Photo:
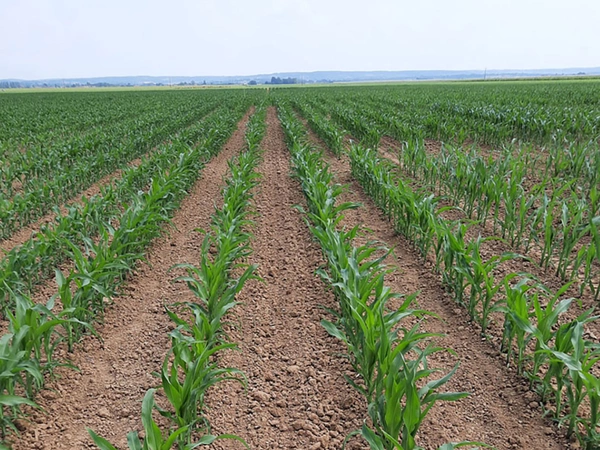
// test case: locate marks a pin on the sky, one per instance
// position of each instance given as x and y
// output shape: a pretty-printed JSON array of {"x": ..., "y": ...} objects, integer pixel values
[{"x": 89, "y": 38}]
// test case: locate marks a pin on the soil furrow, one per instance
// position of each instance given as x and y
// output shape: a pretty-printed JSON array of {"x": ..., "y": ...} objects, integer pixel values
[
  {"x": 106, "y": 393},
  {"x": 297, "y": 397},
  {"x": 500, "y": 411}
]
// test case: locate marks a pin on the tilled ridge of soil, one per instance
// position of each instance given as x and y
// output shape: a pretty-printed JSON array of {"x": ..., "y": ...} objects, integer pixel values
[
  {"x": 106, "y": 394},
  {"x": 500, "y": 410},
  {"x": 297, "y": 396}
]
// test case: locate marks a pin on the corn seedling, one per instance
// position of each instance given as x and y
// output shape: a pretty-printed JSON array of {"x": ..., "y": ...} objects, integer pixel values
[{"x": 154, "y": 437}]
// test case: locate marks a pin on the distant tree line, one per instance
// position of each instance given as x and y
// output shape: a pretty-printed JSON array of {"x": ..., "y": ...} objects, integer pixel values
[{"x": 277, "y": 80}]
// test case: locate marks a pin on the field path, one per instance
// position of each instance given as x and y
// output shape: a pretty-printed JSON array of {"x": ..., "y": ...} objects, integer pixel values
[
  {"x": 106, "y": 393},
  {"x": 500, "y": 410},
  {"x": 297, "y": 397}
]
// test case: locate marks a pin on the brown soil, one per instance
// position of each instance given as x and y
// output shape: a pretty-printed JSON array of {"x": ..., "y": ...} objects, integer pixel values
[
  {"x": 390, "y": 148},
  {"x": 434, "y": 147},
  {"x": 105, "y": 394},
  {"x": 483, "y": 149},
  {"x": 17, "y": 186},
  {"x": 297, "y": 397},
  {"x": 500, "y": 411}
]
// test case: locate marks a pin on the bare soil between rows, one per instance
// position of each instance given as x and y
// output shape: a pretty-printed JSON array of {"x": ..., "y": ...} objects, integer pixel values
[{"x": 297, "y": 396}]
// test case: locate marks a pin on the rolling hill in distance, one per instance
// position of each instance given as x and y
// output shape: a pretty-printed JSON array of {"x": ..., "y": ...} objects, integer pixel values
[{"x": 300, "y": 77}]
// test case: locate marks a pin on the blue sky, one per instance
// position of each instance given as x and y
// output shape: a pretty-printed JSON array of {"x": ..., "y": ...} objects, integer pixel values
[{"x": 87, "y": 38}]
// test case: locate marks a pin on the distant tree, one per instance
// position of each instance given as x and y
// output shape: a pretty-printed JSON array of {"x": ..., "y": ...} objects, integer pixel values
[{"x": 252, "y": 83}]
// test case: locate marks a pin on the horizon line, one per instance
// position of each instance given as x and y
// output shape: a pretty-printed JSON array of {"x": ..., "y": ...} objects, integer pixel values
[{"x": 484, "y": 70}]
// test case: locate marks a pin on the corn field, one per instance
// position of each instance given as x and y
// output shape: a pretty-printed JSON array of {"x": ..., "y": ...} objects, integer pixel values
[{"x": 384, "y": 267}]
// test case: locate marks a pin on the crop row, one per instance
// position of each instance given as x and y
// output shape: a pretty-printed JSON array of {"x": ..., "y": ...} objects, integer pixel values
[
  {"x": 490, "y": 113},
  {"x": 561, "y": 358},
  {"x": 557, "y": 217},
  {"x": 60, "y": 172},
  {"x": 36, "y": 330},
  {"x": 34, "y": 261},
  {"x": 390, "y": 358},
  {"x": 375, "y": 112},
  {"x": 554, "y": 355},
  {"x": 553, "y": 219},
  {"x": 369, "y": 121},
  {"x": 191, "y": 368},
  {"x": 32, "y": 160},
  {"x": 32, "y": 120}
]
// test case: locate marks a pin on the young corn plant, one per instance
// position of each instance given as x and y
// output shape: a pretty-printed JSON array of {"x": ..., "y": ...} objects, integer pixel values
[
  {"x": 41, "y": 326},
  {"x": 589, "y": 257},
  {"x": 100, "y": 267},
  {"x": 452, "y": 258},
  {"x": 364, "y": 324},
  {"x": 573, "y": 228},
  {"x": 190, "y": 369},
  {"x": 544, "y": 216},
  {"x": 400, "y": 406},
  {"x": 516, "y": 311},
  {"x": 191, "y": 362},
  {"x": 571, "y": 366},
  {"x": 211, "y": 284},
  {"x": 556, "y": 379},
  {"x": 546, "y": 324},
  {"x": 18, "y": 369},
  {"x": 155, "y": 438},
  {"x": 479, "y": 275}
]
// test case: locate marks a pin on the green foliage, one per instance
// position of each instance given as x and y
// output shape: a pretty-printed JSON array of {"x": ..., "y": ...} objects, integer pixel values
[
  {"x": 389, "y": 359},
  {"x": 190, "y": 368},
  {"x": 102, "y": 254},
  {"x": 555, "y": 215}
]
